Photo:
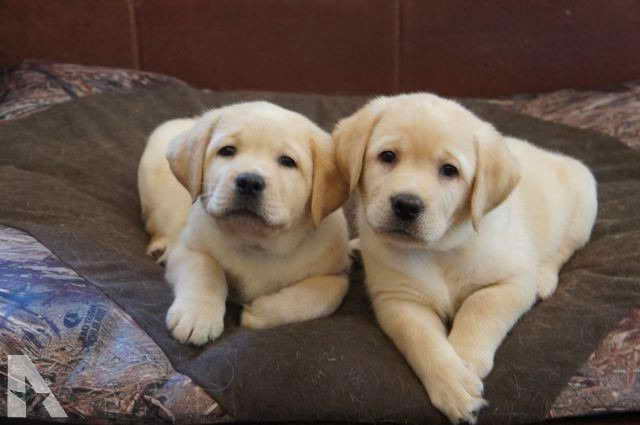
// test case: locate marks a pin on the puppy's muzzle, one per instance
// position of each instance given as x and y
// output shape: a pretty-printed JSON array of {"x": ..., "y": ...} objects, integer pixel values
[
  {"x": 250, "y": 184},
  {"x": 406, "y": 207}
]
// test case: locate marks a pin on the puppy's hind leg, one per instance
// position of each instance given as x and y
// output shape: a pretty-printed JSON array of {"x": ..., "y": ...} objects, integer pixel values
[
  {"x": 578, "y": 229},
  {"x": 164, "y": 225},
  {"x": 157, "y": 248},
  {"x": 577, "y": 235},
  {"x": 311, "y": 298},
  {"x": 165, "y": 203}
]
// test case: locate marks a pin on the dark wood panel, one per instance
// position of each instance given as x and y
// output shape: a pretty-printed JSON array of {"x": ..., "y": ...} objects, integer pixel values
[
  {"x": 502, "y": 47},
  {"x": 92, "y": 32},
  {"x": 454, "y": 47},
  {"x": 290, "y": 45}
]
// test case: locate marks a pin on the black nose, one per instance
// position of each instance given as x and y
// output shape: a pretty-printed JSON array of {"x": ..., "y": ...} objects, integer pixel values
[
  {"x": 250, "y": 184},
  {"x": 406, "y": 206}
]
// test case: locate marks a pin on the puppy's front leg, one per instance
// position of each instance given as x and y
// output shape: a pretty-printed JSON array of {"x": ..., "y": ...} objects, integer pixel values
[
  {"x": 484, "y": 319},
  {"x": 197, "y": 313},
  {"x": 312, "y": 298},
  {"x": 420, "y": 335}
]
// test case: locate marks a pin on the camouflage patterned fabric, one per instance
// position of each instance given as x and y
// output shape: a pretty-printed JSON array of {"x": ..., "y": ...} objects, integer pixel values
[
  {"x": 34, "y": 86},
  {"x": 101, "y": 365},
  {"x": 615, "y": 112},
  {"x": 98, "y": 362}
]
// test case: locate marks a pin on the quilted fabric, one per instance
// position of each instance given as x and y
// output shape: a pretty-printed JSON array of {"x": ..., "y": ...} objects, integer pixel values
[{"x": 34, "y": 86}]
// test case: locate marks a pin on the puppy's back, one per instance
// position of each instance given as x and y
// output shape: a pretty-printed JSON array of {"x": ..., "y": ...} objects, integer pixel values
[
  {"x": 165, "y": 202},
  {"x": 559, "y": 197}
]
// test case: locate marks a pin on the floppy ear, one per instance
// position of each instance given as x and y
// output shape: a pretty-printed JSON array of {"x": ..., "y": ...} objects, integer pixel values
[
  {"x": 497, "y": 173},
  {"x": 351, "y": 137},
  {"x": 186, "y": 153},
  {"x": 329, "y": 189}
]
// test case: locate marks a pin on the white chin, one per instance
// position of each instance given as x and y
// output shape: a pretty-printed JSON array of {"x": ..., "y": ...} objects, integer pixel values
[
  {"x": 402, "y": 239},
  {"x": 246, "y": 225}
]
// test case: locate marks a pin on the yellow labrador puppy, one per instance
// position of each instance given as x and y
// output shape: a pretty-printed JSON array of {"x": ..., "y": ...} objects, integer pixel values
[
  {"x": 458, "y": 225},
  {"x": 264, "y": 226}
]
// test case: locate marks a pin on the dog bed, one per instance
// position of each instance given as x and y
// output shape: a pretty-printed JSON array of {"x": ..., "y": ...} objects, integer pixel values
[{"x": 69, "y": 180}]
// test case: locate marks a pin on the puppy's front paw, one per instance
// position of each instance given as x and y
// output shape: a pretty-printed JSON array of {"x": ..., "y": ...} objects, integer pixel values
[
  {"x": 194, "y": 321},
  {"x": 476, "y": 357},
  {"x": 457, "y": 392},
  {"x": 478, "y": 360},
  {"x": 480, "y": 363}
]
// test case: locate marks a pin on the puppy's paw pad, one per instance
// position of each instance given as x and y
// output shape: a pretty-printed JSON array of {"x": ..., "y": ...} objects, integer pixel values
[
  {"x": 157, "y": 248},
  {"x": 194, "y": 322},
  {"x": 162, "y": 259}
]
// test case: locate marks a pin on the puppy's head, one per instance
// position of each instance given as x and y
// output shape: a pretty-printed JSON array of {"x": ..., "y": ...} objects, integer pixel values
[
  {"x": 258, "y": 168},
  {"x": 423, "y": 166}
]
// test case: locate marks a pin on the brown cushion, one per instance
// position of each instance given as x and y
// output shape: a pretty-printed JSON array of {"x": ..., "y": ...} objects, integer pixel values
[{"x": 69, "y": 179}]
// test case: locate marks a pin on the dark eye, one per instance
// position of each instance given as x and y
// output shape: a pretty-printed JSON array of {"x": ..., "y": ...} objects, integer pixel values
[
  {"x": 227, "y": 151},
  {"x": 387, "y": 156},
  {"x": 287, "y": 161},
  {"x": 449, "y": 170}
]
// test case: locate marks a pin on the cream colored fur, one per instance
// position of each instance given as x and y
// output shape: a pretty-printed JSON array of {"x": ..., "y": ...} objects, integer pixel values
[
  {"x": 286, "y": 261},
  {"x": 489, "y": 240}
]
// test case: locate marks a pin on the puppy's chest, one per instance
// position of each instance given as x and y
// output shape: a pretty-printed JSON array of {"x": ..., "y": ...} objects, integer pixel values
[
  {"x": 463, "y": 275},
  {"x": 244, "y": 289},
  {"x": 447, "y": 282},
  {"x": 251, "y": 275}
]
